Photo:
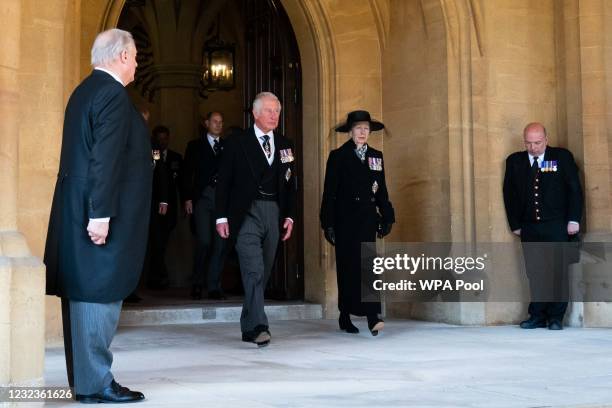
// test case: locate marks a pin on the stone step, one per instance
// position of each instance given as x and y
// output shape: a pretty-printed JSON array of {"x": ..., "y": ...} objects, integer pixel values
[{"x": 212, "y": 313}]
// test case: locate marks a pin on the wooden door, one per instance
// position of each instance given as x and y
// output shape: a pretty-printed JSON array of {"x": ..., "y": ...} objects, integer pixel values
[{"x": 272, "y": 63}]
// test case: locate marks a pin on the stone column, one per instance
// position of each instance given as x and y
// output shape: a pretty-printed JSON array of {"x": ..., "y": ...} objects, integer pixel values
[
  {"x": 9, "y": 130},
  {"x": 21, "y": 274},
  {"x": 9, "y": 111},
  {"x": 593, "y": 22}
]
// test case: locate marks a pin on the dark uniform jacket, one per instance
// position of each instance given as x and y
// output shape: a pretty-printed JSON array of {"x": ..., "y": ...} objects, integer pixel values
[
  {"x": 350, "y": 187},
  {"x": 105, "y": 171},
  {"x": 200, "y": 168},
  {"x": 242, "y": 169},
  {"x": 560, "y": 191}
]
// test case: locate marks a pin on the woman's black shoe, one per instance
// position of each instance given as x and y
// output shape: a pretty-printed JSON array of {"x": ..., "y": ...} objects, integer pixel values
[
  {"x": 346, "y": 324},
  {"x": 375, "y": 325}
]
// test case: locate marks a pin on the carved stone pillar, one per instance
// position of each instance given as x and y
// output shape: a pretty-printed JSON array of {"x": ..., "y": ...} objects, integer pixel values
[{"x": 24, "y": 28}]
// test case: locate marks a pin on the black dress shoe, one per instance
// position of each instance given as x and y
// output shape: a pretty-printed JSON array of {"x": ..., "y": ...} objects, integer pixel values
[
  {"x": 375, "y": 325},
  {"x": 345, "y": 324},
  {"x": 114, "y": 393},
  {"x": 533, "y": 323},
  {"x": 555, "y": 325},
  {"x": 196, "y": 292},
  {"x": 260, "y": 336},
  {"x": 216, "y": 295}
]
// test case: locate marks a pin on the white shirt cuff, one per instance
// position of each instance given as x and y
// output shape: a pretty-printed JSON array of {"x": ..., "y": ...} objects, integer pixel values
[
  {"x": 105, "y": 219},
  {"x": 221, "y": 220},
  {"x": 290, "y": 219},
  {"x": 574, "y": 222}
]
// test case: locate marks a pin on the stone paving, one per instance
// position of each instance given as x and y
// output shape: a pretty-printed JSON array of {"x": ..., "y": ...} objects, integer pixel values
[{"x": 310, "y": 363}]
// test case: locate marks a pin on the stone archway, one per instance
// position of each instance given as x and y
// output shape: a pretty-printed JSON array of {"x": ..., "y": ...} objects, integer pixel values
[
  {"x": 324, "y": 35},
  {"x": 341, "y": 45}
]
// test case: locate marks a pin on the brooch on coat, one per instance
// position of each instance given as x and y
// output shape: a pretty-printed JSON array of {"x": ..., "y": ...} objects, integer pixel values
[
  {"x": 288, "y": 175},
  {"x": 548, "y": 166},
  {"x": 286, "y": 156},
  {"x": 374, "y": 187},
  {"x": 375, "y": 163}
]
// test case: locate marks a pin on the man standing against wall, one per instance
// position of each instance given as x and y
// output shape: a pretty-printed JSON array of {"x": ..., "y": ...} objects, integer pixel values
[
  {"x": 543, "y": 200},
  {"x": 99, "y": 217},
  {"x": 255, "y": 197}
]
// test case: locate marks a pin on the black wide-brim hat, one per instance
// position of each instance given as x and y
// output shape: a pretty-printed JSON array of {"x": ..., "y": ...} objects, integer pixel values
[{"x": 359, "y": 116}]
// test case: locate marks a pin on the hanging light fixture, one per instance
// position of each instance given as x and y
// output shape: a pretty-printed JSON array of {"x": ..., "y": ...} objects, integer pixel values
[{"x": 218, "y": 63}]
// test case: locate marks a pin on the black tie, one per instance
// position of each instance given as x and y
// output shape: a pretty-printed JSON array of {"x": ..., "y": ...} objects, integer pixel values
[
  {"x": 216, "y": 146},
  {"x": 266, "y": 145},
  {"x": 534, "y": 165}
]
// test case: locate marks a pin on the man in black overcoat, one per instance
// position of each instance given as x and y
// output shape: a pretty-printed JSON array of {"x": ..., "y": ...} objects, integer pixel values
[
  {"x": 99, "y": 217},
  {"x": 543, "y": 200},
  {"x": 255, "y": 198},
  {"x": 201, "y": 169},
  {"x": 166, "y": 179}
]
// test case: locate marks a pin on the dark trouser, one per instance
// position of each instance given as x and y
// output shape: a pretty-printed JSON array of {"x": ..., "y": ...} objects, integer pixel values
[
  {"x": 89, "y": 329},
  {"x": 546, "y": 266},
  {"x": 354, "y": 276},
  {"x": 208, "y": 242},
  {"x": 256, "y": 245},
  {"x": 159, "y": 232}
]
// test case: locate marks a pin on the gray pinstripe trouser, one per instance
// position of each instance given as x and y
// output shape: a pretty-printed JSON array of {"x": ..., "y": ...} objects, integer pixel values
[
  {"x": 93, "y": 326},
  {"x": 256, "y": 245}
]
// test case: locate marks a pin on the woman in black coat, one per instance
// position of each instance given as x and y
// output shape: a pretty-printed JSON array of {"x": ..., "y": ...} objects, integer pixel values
[{"x": 355, "y": 209}]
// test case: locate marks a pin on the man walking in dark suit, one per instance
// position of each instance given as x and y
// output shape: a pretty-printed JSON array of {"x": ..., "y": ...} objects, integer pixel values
[
  {"x": 164, "y": 215},
  {"x": 543, "y": 200},
  {"x": 99, "y": 217},
  {"x": 255, "y": 196},
  {"x": 201, "y": 169}
]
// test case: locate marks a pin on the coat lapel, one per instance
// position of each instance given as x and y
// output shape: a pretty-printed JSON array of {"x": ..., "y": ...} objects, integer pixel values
[
  {"x": 278, "y": 146},
  {"x": 205, "y": 147},
  {"x": 254, "y": 154}
]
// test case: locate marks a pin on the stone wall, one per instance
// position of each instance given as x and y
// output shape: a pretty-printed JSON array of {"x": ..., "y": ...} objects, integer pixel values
[
  {"x": 455, "y": 81},
  {"x": 415, "y": 111}
]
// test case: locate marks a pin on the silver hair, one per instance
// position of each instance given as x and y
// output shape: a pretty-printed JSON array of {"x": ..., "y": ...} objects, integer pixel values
[
  {"x": 259, "y": 100},
  {"x": 109, "y": 45}
]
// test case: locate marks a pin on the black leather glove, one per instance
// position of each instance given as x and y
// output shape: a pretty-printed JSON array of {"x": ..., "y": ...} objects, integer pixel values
[
  {"x": 384, "y": 229},
  {"x": 330, "y": 235}
]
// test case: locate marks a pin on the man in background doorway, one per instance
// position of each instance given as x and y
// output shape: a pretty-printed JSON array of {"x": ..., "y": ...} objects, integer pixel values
[
  {"x": 201, "y": 167},
  {"x": 164, "y": 216}
]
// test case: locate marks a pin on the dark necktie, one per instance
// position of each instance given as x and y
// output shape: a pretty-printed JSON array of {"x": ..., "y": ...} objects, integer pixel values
[
  {"x": 534, "y": 165},
  {"x": 266, "y": 145},
  {"x": 216, "y": 147}
]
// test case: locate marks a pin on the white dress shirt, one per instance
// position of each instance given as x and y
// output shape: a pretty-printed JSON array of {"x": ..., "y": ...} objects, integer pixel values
[
  {"x": 211, "y": 140},
  {"x": 540, "y": 158}
]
